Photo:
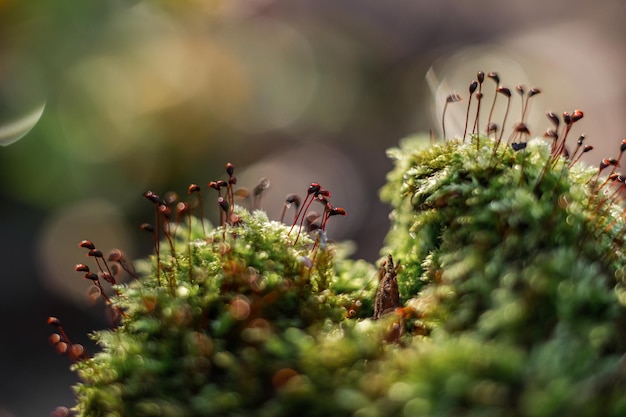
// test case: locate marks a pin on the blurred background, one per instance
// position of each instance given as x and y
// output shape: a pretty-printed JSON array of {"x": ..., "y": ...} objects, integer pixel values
[{"x": 103, "y": 100}]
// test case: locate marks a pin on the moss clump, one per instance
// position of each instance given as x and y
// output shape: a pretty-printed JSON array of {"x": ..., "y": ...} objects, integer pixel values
[
  {"x": 512, "y": 287},
  {"x": 522, "y": 252},
  {"x": 225, "y": 326}
]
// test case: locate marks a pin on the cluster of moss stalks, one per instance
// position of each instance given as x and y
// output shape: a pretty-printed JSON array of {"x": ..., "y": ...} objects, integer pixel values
[{"x": 512, "y": 289}]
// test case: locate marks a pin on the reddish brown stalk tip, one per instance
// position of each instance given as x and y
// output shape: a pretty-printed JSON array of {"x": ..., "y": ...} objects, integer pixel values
[
  {"x": 521, "y": 128},
  {"x": 473, "y": 86},
  {"x": 53, "y": 321},
  {"x": 223, "y": 204},
  {"x": 86, "y": 244},
  {"x": 152, "y": 197},
  {"x": 95, "y": 253},
  {"x": 567, "y": 118},
  {"x": 551, "y": 133},
  {"x": 504, "y": 91},
  {"x": 577, "y": 115},
  {"x": 230, "y": 169},
  {"x": 554, "y": 119}
]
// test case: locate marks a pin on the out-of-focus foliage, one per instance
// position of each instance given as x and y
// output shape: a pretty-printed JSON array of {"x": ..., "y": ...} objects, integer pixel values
[{"x": 138, "y": 92}]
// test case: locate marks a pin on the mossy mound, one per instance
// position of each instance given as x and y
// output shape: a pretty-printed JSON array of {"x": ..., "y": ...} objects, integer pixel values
[
  {"x": 521, "y": 250},
  {"x": 226, "y": 325},
  {"x": 513, "y": 305}
]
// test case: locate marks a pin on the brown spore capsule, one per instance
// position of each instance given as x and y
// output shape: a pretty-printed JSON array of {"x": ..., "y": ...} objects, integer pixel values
[
  {"x": 193, "y": 188},
  {"x": 473, "y": 86},
  {"x": 554, "y": 119},
  {"x": 577, "y": 115},
  {"x": 95, "y": 253},
  {"x": 504, "y": 91},
  {"x": 53, "y": 321},
  {"x": 230, "y": 169},
  {"x": 86, "y": 244}
]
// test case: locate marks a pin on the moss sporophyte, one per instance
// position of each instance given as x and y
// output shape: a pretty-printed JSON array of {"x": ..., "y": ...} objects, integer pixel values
[{"x": 509, "y": 300}]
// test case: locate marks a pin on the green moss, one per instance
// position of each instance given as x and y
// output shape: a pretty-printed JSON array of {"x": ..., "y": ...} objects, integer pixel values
[
  {"x": 498, "y": 248},
  {"x": 512, "y": 283},
  {"x": 211, "y": 339}
]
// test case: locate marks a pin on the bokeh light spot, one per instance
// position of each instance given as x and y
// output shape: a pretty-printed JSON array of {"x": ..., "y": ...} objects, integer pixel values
[{"x": 96, "y": 220}]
